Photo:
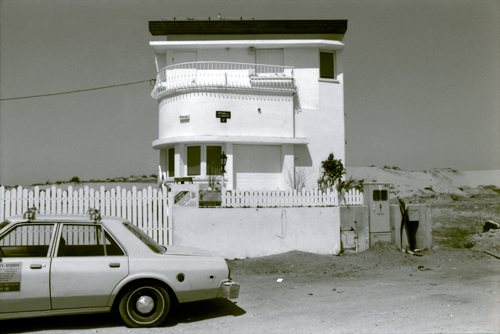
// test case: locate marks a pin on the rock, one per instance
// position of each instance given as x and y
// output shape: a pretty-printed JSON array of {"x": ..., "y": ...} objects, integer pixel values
[{"x": 490, "y": 225}]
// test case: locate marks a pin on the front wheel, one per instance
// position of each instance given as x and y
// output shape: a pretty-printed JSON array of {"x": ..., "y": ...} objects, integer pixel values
[{"x": 145, "y": 306}]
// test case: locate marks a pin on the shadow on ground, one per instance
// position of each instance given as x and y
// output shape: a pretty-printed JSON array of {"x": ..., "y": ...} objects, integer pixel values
[{"x": 181, "y": 313}]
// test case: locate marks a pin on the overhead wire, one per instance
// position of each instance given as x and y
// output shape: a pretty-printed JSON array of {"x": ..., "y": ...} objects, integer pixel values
[{"x": 151, "y": 82}]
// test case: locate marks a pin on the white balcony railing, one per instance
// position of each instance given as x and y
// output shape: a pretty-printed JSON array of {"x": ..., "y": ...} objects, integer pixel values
[{"x": 200, "y": 76}]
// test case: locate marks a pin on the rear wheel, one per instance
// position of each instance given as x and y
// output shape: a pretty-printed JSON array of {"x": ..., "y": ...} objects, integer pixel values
[{"x": 145, "y": 305}]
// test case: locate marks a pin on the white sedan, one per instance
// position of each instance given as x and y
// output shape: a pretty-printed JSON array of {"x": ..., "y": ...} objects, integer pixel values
[{"x": 67, "y": 264}]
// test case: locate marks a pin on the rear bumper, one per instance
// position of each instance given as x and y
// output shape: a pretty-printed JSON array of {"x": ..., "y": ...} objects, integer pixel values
[{"x": 229, "y": 289}]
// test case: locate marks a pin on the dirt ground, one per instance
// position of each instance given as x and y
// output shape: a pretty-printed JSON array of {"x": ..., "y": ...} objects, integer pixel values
[{"x": 452, "y": 288}]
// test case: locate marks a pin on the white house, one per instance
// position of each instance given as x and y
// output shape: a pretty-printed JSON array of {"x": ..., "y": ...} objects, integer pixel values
[{"x": 267, "y": 93}]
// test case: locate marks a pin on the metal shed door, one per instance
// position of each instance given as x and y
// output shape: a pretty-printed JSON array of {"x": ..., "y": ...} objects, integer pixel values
[{"x": 257, "y": 167}]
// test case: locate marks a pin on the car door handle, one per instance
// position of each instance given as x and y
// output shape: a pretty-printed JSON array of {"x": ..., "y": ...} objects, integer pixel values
[
  {"x": 36, "y": 266},
  {"x": 114, "y": 265}
]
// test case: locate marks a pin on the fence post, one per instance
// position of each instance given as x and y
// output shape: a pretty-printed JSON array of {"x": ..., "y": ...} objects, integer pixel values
[
  {"x": 2, "y": 202},
  {"x": 170, "y": 220}
]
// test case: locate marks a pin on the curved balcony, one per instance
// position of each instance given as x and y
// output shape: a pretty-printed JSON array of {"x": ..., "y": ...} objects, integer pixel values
[{"x": 214, "y": 76}]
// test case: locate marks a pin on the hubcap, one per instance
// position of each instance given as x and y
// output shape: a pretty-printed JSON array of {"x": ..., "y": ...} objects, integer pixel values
[{"x": 145, "y": 304}]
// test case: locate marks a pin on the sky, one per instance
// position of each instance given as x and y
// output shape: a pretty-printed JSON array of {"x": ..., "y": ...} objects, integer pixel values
[{"x": 422, "y": 82}]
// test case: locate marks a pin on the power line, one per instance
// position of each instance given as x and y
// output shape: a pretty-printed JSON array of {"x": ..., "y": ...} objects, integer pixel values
[{"x": 151, "y": 81}]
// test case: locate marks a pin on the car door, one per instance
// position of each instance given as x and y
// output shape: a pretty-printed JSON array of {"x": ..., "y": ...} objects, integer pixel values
[
  {"x": 25, "y": 267},
  {"x": 87, "y": 266}
]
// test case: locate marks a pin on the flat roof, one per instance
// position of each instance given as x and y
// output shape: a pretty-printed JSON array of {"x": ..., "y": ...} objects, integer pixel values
[{"x": 245, "y": 27}]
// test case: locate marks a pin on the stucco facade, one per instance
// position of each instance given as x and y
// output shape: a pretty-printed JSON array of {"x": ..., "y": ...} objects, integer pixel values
[{"x": 269, "y": 94}]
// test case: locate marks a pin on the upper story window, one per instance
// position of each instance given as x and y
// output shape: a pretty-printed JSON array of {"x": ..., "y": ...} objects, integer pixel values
[
  {"x": 327, "y": 65},
  {"x": 271, "y": 57}
]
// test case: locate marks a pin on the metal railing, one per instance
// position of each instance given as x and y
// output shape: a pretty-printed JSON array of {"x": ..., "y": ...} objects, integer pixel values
[{"x": 211, "y": 75}]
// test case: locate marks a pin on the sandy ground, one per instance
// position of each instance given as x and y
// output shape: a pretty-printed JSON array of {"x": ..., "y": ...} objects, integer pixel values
[{"x": 435, "y": 181}]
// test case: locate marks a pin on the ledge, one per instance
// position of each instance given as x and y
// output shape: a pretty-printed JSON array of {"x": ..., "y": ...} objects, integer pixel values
[
  {"x": 162, "y": 46},
  {"x": 328, "y": 80},
  {"x": 256, "y": 140}
]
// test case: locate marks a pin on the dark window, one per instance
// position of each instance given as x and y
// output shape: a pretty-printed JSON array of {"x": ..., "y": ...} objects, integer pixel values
[
  {"x": 86, "y": 240},
  {"x": 146, "y": 239},
  {"x": 380, "y": 195},
  {"x": 213, "y": 160},
  {"x": 326, "y": 65},
  {"x": 383, "y": 195},
  {"x": 193, "y": 160},
  {"x": 30, "y": 240},
  {"x": 171, "y": 162}
]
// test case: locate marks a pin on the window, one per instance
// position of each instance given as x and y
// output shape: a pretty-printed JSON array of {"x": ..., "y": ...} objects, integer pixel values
[
  {"x": 213, "y": 160},
  {"x": 27, "y": 240},
  {"x": 271, "y": 57},
  {"x": 153, "y": 245},
  {"x": 327, "y": 65},
  {"x": 86, "y": 240},
  {"x": 171, "y": 162},
  {"x": 380, "y": 195},
  {"x": 193, "y": 160}
]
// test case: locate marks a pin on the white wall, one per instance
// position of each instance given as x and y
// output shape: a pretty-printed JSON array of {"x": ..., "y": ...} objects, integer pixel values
[
  {"x": 242, "y": 233},
  {"x": 275, "y": 118}
]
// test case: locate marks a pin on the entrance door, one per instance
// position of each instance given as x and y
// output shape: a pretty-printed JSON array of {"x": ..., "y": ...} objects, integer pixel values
[
  {"x": 257, "y": 167},
  {"x": 25, "y": 268}
]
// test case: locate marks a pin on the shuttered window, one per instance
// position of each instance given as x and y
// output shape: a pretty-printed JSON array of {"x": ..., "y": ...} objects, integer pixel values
[
  {"x": 271, "y": 57},
  {"x": 193, "y": 160},
  {"x": 257, "y": 166}
]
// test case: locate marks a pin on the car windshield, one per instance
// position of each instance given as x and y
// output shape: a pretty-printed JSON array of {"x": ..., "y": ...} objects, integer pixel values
[{"x": 146, "y": 239}]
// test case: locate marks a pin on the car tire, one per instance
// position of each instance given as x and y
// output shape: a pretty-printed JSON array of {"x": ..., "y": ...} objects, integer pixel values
[{"x": 144, "y": 305}]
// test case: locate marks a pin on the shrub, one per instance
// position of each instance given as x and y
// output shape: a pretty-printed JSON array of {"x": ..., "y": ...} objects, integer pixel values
[
  {"x": 75, "y": 179},
  {"x": 333, "y": 169},
  {"x": 299, "y": 180}
]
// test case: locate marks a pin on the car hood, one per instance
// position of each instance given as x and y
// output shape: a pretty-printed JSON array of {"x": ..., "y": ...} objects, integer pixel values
[{"x": 187, "y": 251}]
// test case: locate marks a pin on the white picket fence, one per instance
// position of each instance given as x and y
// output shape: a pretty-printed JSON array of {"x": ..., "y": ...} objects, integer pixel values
[
  {"x": 289, "y": 198},
  {"x": 146, "y": 208}
]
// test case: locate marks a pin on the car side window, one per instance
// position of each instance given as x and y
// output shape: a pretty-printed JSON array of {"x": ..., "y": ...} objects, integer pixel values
[
  {"x": 27, "y": 240},
  {"x": 86, "y": 240}
]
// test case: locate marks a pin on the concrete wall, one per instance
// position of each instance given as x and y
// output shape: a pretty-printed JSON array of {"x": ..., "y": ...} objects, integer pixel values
[
  {"x": 348, "y": 227},
  {"x": 424, "y": 231},
  {"x": 242, "y": 233},
  {"x": 348, "y": 215}
]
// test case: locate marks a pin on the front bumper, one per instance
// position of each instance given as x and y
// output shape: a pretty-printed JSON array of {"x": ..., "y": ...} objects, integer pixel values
[{"x": 229, "y": 289}]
